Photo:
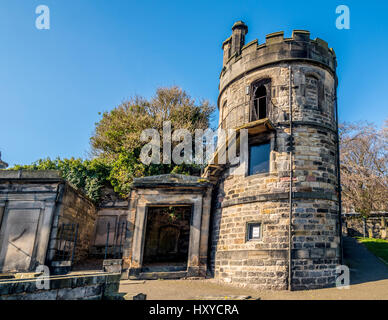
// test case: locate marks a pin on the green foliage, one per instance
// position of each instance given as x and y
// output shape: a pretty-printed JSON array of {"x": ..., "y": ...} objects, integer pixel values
[
  {"x": 89, "y": 176},
  {"x": 172, "y": 214},
  {"x": 119, "y": 129},
  {"x": 116, "y": 143},
  {"x": 127, "y": 166},
  {"x": 117, "y": 135}
]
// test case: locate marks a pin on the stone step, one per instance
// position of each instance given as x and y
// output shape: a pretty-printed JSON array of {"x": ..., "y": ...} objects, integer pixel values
[
  {"x": 163, "y": 269},
  {"x": 161, "y": 275}
]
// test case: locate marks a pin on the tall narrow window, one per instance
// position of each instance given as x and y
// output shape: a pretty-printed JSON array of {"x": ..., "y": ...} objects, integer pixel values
[
  {"x": 261, "y": 92},
  {"x": 261, "y": 102},
  {"x": 259, "y": 158}
]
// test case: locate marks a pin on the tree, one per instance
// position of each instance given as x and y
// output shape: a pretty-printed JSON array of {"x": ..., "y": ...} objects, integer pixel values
[
  {"x": 117, "y": 134},
  {"x": 119, "y": 129},
  {"x": 364, "y": 167}
]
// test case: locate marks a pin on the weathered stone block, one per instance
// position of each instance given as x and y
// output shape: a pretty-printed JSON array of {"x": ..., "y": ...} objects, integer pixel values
[{"x": 71, "y": 293}]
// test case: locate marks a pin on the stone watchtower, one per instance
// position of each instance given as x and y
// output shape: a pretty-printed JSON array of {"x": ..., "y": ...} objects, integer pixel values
[{"x": 283, "y": 91}]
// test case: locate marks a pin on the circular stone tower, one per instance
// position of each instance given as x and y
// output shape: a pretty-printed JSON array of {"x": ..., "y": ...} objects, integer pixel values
[{"x": 283, "y": 92}]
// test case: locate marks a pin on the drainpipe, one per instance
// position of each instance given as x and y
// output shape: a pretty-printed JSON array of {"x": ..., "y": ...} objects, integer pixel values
[
  {"x": 291, "y": 177},
  {"x": 339, "y": 179}
]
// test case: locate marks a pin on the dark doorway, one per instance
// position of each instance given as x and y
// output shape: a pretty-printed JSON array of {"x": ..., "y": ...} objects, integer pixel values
[{"x": 167, "y": 237}]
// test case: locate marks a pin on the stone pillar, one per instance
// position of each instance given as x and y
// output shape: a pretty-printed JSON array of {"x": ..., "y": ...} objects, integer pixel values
[
  {"x": 364, "y": 228},
  {"x": 138, "y": 240},
  {"x": 47, "y": 215},
  {"x": 203, "y": 251},
  {"x": 194, "y": 244}
]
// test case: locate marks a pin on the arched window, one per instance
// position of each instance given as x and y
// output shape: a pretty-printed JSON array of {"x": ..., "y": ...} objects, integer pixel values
[{"x": 260, "y": 98}]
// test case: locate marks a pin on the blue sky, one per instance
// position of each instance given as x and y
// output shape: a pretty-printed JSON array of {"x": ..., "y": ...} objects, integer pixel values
[{"x": 97, "y": 53}]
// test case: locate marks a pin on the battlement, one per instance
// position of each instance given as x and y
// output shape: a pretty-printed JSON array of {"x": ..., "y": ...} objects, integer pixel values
[{"x": 277, "y": 48}]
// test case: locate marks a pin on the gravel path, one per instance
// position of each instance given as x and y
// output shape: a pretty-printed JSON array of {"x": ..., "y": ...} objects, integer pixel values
[
  {"x": 364, "y": 265},
  {"x": 368, "y": 277}
]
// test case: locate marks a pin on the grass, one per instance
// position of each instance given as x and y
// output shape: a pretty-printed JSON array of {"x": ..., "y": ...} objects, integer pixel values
[{"x": 378, "y": 247}]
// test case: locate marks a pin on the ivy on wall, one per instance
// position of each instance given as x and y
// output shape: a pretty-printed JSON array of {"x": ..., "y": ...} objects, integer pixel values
[{"x": 89, "y": 176}]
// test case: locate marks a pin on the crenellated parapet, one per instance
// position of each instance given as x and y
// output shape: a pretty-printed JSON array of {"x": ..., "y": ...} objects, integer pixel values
[{"x": 276, "y": 49}]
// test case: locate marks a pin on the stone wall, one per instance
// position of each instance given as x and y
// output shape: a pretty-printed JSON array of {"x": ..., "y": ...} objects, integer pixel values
[
  {"x": 114, "y": 211},
  {"x": 72, "y": 287},
  {"x": 262, "y": 263},
  {"x": 235, "y": 102},
  {"x": 75, "y": 208},
  {"x": 374, "y": 226},
  {"x": 316, "y": 244}
]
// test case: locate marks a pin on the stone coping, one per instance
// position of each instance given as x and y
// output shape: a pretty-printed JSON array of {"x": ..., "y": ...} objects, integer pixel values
[
  {"x": 30, "y": 175},
  {"x": 38, "y": 176},
  {"x": 96, "y": 286},
  {"x": 68, "y": 282},
  {"x": 278, "y": 196},
  {"x": 62, "y": 277}
]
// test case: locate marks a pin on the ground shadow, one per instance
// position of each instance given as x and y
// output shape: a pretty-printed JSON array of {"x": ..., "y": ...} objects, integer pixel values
[{"x": 364, "y": 266}]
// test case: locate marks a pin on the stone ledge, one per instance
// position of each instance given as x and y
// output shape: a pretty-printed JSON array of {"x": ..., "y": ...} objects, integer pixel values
[
  {"x": 279, "y": 196},
  {"x": 31, "y": 175},
  {"x": 170, "y": 180},
  {"x": 24, "y": 286},
  {"x": 252, "y": 254},
  {"x": 316, "y": 253}
]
